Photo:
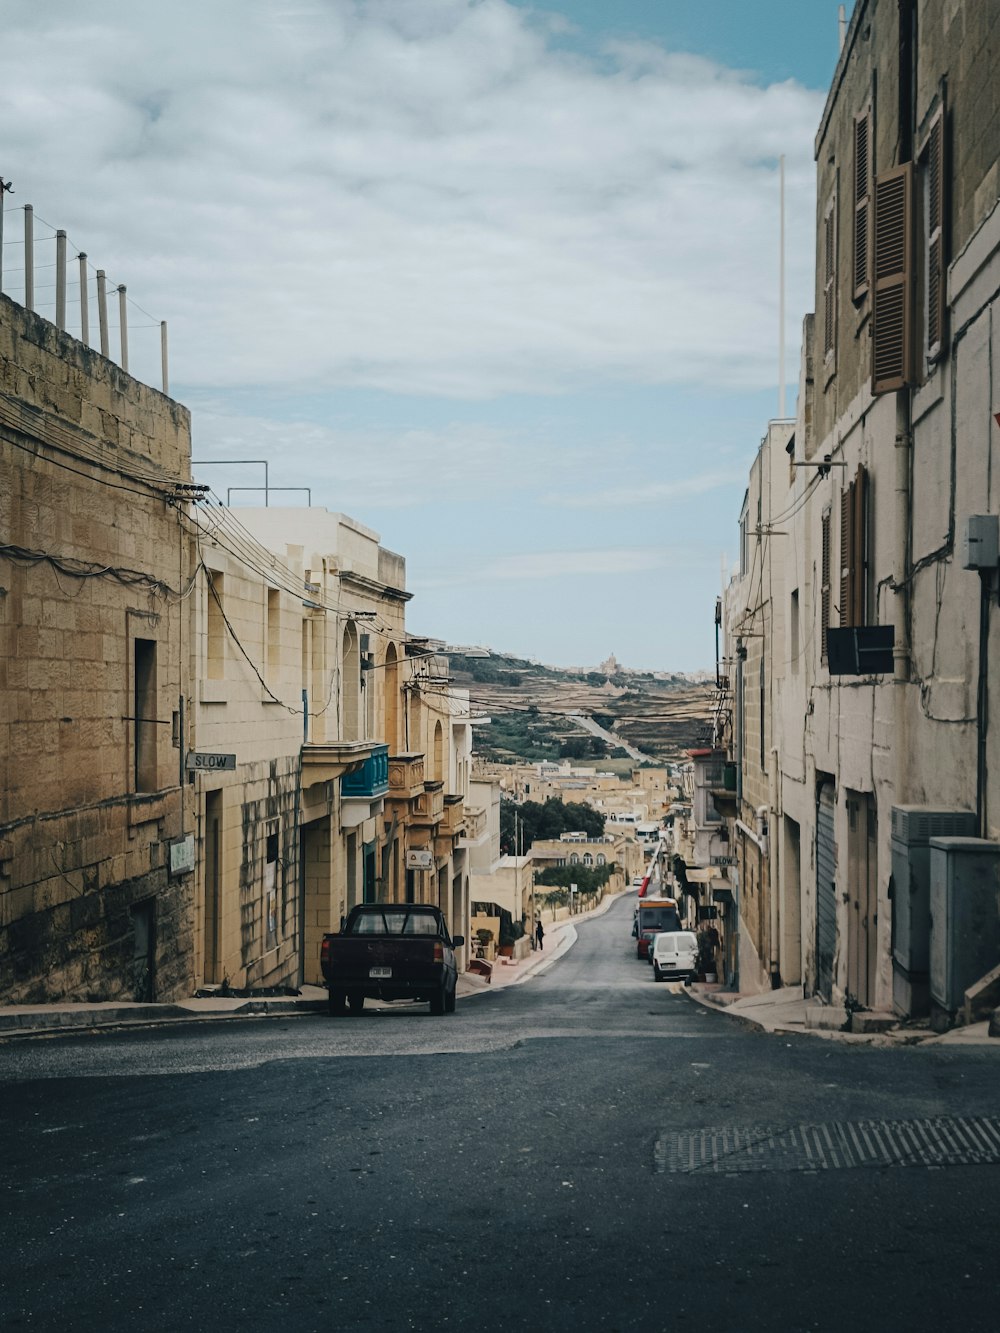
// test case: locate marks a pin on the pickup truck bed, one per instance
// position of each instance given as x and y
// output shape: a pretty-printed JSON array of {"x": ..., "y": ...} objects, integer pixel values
[{"x": 391, "y": 951}]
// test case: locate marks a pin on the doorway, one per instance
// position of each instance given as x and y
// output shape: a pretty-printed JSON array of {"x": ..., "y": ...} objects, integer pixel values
[{"x": 862, "y": 896}]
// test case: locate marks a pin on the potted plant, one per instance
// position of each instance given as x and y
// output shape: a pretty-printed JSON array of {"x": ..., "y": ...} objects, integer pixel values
[{"x": 705, "y": 963}]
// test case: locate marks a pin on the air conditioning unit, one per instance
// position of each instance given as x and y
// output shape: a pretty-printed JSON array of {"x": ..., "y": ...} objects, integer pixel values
[
  {"x": 965, "y": 919},
  {"x": 913, "y": 826}
]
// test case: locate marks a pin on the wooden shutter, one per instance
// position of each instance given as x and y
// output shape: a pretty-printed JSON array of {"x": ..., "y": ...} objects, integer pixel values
[
  {"x": 862, "y": 201},
  {"x": 824, "y": 609},
  {"x": 853, "y": 534},
  {"x": 935, "y": 237},
  {"x": 846, "y": 543},
  {"x": 830, "y": 279},
  {"x": 892, "y": 339}
]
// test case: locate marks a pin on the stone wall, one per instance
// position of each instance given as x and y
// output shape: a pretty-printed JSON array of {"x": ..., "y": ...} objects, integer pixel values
[{"x": 94, "y": 559}]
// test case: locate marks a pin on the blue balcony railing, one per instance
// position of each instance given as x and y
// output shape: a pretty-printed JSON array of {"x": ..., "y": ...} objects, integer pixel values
[{"x": 371, "y": 780}]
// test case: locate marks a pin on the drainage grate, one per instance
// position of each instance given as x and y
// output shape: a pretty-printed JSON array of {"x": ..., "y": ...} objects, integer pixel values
[{"x": 938, "y": 1141}]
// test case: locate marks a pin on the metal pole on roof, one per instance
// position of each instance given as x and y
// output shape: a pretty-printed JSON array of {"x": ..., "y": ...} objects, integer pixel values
[
  {"x": 84, "y": 308},
  {"x": 61, "y": 280},
  {"x": 123, "y": 325},
  {"x": 29, "y": 257},
  {"x": 781, "y": 292},
  {"x": 102, "y": 310},
  {"x": 163, "y": 355}
]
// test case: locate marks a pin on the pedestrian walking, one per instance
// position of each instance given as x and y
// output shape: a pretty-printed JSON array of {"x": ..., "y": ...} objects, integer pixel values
[{"x": 539, "y": 935}]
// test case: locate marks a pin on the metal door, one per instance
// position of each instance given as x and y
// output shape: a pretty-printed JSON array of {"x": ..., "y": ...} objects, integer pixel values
[{"x": 826, "y": 890}]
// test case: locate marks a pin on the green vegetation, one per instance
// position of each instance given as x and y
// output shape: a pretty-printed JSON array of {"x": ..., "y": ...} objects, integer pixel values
[{"x": 536, "y": 820}]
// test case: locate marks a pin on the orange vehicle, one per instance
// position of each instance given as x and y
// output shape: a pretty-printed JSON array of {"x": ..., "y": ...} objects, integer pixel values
[{"x": 651, "y": 916}]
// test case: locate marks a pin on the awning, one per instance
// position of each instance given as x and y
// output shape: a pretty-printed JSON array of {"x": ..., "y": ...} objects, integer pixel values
[
  {"x": 700, "y": 875},
  {"x": 722, "y": 895}
]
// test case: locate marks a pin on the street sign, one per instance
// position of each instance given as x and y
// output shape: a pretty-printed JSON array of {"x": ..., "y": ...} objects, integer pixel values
[
  {"x": 182, "y": 856},
  {"x": 209, "y": 763},
  {"x": 420, "y": 859},
  {"x": 722, "y": 860}
]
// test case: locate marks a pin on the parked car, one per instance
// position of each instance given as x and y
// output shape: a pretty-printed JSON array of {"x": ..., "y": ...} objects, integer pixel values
[
  {"x": 391, "y": 951},
  {"x": 675, "y": 954}
]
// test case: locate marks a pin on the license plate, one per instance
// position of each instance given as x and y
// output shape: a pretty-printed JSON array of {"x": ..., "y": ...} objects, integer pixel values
[{"x": 380, "y": 973}]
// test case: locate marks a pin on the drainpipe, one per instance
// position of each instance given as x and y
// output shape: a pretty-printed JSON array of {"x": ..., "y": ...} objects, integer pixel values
[
  {"x": 900, "y": 576},
  {"x": 773, "y": 865}
]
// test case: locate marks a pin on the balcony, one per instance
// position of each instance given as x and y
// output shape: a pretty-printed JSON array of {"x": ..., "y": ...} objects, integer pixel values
[
  {"x": 371, "y": 779},
  {"x": 406, "y": 776},
  {"x": 476, "y": 827},
  {"x": 428, "y": 807},
  {"x": 324, "y": 761},
  {"x": 453, "y": 820}
]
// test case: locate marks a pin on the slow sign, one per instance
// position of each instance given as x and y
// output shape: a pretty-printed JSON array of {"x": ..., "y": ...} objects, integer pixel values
[{"x": 210, "y": 763}]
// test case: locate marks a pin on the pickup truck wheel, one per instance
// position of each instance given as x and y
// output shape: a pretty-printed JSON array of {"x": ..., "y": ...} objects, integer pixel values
[
  {"x": 337, "y": 1003},
  {"x": 356, "y": 1000},
  {"x": 439, "y": 1001}
]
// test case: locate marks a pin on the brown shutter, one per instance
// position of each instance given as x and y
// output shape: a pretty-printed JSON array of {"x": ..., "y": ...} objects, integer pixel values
[
  {"x": 893, "y": 278},
  {"x": 862, "y": 201},
  {"x": 935, "y": 237},
  {"x": 846, "y": 547},
  {"x": 859, "y": 552},
  {"x": 830, "y": 279},
  {"x": 824, "y": 611},
  {"x": 853, "y": 553}
]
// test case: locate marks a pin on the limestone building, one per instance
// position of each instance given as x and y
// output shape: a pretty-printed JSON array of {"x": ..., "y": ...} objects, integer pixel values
[
  {"x": 876, "y": 604},
  {"x": 96, "y": 890}
]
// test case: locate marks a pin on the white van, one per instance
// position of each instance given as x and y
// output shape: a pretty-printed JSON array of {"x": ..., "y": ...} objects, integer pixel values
[{"x": 674, "y": 954}]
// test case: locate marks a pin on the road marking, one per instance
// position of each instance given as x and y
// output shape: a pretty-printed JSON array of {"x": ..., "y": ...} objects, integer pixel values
[{"x": 838, "y": 1145}]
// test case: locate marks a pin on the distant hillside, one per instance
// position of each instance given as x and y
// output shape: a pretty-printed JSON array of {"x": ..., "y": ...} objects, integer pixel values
[{"x": 530, "y": 707}]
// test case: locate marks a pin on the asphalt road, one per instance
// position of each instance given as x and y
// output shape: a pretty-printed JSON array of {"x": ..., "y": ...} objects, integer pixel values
[{"x": 535, "y": 1161}]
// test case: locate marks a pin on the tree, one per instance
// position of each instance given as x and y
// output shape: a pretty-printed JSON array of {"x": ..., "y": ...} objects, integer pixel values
[{"x": 550, "y": 819}]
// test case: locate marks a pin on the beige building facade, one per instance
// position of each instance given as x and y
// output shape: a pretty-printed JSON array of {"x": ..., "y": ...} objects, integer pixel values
[
  {"x": 877, "y": 603},
  {"x": 96, "y": 892}
]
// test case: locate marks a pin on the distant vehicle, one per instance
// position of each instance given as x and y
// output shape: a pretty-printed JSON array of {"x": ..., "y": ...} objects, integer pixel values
[
  {"x": 391, "y": 951},
  {"x": 674, "y": 954},
  {"x": 637, "y": 881},
  {"x": 652, "y": 916}
]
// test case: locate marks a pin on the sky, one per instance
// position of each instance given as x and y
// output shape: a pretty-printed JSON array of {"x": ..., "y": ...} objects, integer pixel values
[{"x": 498, "y": 279}]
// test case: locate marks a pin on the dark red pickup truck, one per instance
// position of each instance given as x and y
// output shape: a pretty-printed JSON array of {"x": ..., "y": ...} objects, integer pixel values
[{"x": 391, "y": 951}]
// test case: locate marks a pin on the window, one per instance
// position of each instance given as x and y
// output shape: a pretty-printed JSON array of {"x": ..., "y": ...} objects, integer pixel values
[
  {"x": 893, "y": 278},
  {"x": 215, "y": 642},
  {"x": 862, "y": 201},
  {"x": 144, "y": 714},
  {"x": 853, "y": 550},
  {"x": 830, "y": 283},
  {"x": 273, "y": 632},
  {"x": 793, "y": 632},
  {"x": 933, "y": 179},
  {"x": 824, "y": 583}
]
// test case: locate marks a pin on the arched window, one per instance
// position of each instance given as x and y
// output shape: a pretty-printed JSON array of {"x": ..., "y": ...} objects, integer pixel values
[
  {"x": 588, "y": 860},
  {"x": 439, "y": 773},
  {"x": 601, "y": 859},
  {"x": 574, "y": 859},
  {"x": 352, "y": 683},
  {"x": 391, "y": 686}
]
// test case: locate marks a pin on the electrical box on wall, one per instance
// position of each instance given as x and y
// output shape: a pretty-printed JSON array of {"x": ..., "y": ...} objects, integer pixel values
[{"x": 980, "y": 541}]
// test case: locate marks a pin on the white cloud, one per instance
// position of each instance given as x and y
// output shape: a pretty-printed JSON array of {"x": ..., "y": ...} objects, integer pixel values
[
  {"x": 653, "y": 492},
  {"x": 430, "y": 198},
  {"x": 539, "y": 566},
  {"x": 353, "y": 469}
]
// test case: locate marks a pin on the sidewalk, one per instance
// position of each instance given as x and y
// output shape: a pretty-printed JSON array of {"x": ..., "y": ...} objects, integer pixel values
[
  {"x": 38, "y": 1019},
  {"x": 787, "y": 1010}
]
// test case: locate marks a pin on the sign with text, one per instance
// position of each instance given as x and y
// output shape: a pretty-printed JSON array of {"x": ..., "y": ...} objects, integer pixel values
[
  {"x": 723, "y": 860},
  {"x": 210, "y": 763},
  {"x": 182, "y": 856},
  {"x": 420, "y": 859}
]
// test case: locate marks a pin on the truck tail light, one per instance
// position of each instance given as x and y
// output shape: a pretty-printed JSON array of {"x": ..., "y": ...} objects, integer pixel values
[
  {"x": 438, "y": 952},
  {"x": 324, "y": 953}
]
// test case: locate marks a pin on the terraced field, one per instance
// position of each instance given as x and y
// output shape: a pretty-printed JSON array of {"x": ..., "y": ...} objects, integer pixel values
[{"x": 532, "y": 708}]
